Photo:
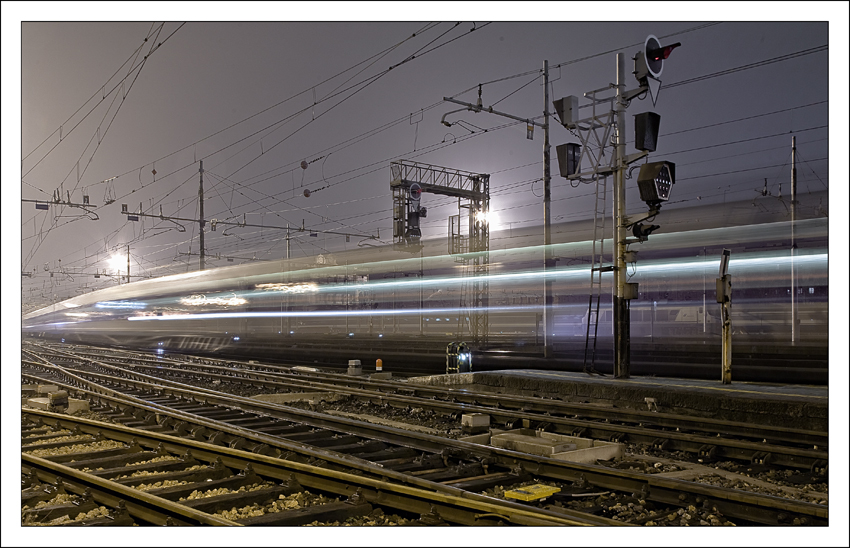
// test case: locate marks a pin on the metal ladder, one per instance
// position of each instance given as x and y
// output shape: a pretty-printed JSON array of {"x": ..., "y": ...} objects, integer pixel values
[{"x": 596, "y": 270}]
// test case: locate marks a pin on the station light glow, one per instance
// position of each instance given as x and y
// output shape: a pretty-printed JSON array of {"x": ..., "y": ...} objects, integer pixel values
[{"x": 117, "y": 262}]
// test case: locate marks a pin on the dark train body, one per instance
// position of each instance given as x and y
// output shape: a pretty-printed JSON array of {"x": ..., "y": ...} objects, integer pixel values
[{"x": 405, "y": 308}]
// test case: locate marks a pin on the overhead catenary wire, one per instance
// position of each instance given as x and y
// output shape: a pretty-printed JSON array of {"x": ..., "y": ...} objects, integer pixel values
[
  {"x": 132, "y": 56},
  {"x": 114, "y": 89},
  {"x": 332, "y": 178}
]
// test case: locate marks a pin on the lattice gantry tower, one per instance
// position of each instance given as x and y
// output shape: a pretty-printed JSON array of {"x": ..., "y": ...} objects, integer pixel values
[{"x": 468, "y": 233}]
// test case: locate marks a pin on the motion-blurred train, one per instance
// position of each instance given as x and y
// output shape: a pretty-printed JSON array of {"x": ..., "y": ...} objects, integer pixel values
[{"x": 403, "y": 307}]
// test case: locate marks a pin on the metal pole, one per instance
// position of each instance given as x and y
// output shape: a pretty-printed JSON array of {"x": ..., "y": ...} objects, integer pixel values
[
  {"x": 128, "y": 264},
  {"x": 548, "y": 323},
  {"x": 621, "y": 311},
  {"x": 201, "y": 210},
  {"x": 793, "y": 245},
  {"x": 726, "y": 317},
  {"x": 287, "y": 241}
]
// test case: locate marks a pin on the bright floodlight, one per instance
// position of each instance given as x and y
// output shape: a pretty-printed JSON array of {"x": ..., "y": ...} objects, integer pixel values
[
  {"x": 117, "y": 262},
  {"x": 490, "y": 218}
]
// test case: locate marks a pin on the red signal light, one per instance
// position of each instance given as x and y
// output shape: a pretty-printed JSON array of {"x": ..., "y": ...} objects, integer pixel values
[{"x": 662, "y": 52}]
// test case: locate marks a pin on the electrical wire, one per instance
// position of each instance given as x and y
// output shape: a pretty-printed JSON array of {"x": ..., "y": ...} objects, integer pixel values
[{"x": 749, "y": 66}]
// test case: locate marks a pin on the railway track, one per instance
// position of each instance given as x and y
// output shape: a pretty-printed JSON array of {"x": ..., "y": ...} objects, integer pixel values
[
  {"x": 148, "y": 478},
  {"x": 705, "y": 438},
  {"x": 446, "y": 466}
]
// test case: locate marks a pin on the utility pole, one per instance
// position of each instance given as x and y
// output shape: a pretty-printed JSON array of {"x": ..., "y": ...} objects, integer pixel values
[
  {"x": 793, "y": 245},
  {"x": 621, "y": 305},
  {"x": 548, "y": 323},
  {"x": 201, "y": 210},
  {"x": 547, "y": 237},
  {"x": 287, "y": 240},
  {"x": 654, "y": 181},
  {"x": 128, "y": 264}
]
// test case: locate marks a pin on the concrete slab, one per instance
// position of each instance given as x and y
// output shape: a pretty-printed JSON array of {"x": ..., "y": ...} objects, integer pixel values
[
  {"x": 46, "y": 388},
  {"x": 547, "y": 444},
  {"x": 39, "y": 403},
  {"x": 443, "y": 380},
  {"x": 480, "y": 439},
  {"x": 793, "y": 406},
  {"x": 383, "y": 376},
  {"x": 530, "y": 444}
]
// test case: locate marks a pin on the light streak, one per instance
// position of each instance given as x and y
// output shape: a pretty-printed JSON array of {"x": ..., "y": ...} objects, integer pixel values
[
  {"x": 200, "y": 300},
  {"x": 338, "y": 313},
  {"x": 307, "y": 287},
  {"x": 121, "y": 305}
]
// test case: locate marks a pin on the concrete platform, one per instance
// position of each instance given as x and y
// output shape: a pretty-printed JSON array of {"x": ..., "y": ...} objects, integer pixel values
[{"x": 792, "y": 406}]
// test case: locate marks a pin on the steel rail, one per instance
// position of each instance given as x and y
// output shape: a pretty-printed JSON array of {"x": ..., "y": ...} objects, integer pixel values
[
  {"x": 504, "y": 402},
  {"x": 694, "y": 443},
  {"x": 750, "y": 506},
  {"x": 145, "y": 506},
  {"x": 286, "y": 448},
  {"x": 383, "y": 493}
]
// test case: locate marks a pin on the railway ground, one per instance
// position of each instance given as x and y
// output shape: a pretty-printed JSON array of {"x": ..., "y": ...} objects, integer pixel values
[{"x": 542, "y": 386}]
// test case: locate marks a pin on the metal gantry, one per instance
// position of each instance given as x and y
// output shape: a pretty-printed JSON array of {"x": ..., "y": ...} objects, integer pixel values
[{"x": 469, "y": 230}]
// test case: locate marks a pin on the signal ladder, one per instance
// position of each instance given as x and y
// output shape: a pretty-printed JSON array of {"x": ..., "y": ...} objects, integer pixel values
[{"x": 596, "y": 270}]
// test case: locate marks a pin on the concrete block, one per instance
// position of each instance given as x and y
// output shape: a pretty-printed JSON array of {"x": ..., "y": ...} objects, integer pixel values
[
  {"x": 75, "y": 405},
  {"x": 39, "y": 403},
  {"x": 381, "y": 376},
  {"x": 46, "y": 388},
  {"x": 355, "y": 363},
  {"x": 475, "y": 420},
  {"x": 355, "y": 369}
]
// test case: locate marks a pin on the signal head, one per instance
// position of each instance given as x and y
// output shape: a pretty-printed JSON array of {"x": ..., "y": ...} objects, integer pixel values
[
  {"x": 650, "y": 61},
  {"x": 655, "y": 181}
]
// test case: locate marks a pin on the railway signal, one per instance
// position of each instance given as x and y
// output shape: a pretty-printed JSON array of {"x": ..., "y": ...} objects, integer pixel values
[
  {"x": 655, "y": 181},
  {"x": 650, "y": 62},
  {"x": 724, "y": 297},
  {"x": 597, "y": 131}
]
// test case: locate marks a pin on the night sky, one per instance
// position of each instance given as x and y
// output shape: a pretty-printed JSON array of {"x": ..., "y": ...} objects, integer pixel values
[{"x": 254, "y": 100}]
